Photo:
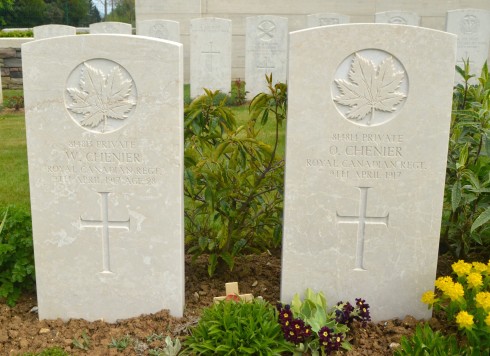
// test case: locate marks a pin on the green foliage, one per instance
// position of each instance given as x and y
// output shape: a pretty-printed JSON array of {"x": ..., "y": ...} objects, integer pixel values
[
  {"x": 30, "y": 13},
  {"x": 16, "y": 255},
  {"x": 237, "y": 328},
  {"x": 238, "y": 92},
  {"x": 121, "y": 344},
  {"x": 14, "y": 102},
  {"x": 83, "y": 343},
  {"x": 427, "y": 342},
  {"x": 17, "y": 33},
  {"x": 123, "y": 12},
  {"x": 51, "y": 351},
  {"x": 233, "y": 181},
  {"x": 467, "y": 198}
]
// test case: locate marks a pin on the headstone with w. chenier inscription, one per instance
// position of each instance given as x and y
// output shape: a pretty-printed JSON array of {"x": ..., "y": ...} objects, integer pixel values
[
  {"x": 104, "y": 139},
  {"x": 366, "y": 148}
]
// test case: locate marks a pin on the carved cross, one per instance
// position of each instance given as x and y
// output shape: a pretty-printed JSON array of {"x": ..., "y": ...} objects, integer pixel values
[
  {"x": 362, "y": 220},
  {"x": 210, "y": 54},
  {"x": 105, "y": 224},
  {"x": 232, "y": 293}
]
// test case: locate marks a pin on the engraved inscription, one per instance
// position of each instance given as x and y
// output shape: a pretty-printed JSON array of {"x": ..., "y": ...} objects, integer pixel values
[
  {"x": 100, "y": 96},
  {"x": 362, "y": 220},
  {"x": 366, "y": 156},
  {"x": 369, "y": 89},
  {"x": 105, "y": 224},
  {"x": 266, "y": 30},
  {"x": 106, "y": 162},
  {"x": 266, "y": 65}
]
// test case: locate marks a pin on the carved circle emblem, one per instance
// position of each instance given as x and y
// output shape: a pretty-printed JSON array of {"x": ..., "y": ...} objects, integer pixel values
[
  {"x": 266, "y": 30},
  {"x": 470, "y": 24},
  {"x": 159, "y": 31},
  {"x": 100, "y": 95},
  {"x": 370, "y": 87},
  {"x": 397, "y": 20}
]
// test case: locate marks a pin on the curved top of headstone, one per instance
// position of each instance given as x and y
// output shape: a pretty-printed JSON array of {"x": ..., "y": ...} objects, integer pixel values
[
  {"x": 48, "y": 31},
  {"x": 111, "y": 27}
]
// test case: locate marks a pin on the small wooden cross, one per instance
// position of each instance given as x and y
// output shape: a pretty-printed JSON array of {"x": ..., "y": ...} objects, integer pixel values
[{"x": 232, "y": 293}]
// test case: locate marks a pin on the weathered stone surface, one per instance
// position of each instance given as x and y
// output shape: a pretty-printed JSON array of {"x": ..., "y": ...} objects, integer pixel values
[
  {"x": 104, "y": 138},
  {"x": 365, "y": 172}
]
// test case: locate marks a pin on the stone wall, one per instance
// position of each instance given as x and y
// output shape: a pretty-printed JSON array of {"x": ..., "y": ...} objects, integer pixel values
[
  {"x": 432, "y": 12},
  {"x": 11, "y": 62}
]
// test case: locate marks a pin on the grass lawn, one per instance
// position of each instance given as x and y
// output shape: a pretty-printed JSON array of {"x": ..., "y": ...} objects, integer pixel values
[{"x": 14, "y": 181}]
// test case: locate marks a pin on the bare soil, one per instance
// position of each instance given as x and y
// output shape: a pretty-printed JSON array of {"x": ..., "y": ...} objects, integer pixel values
[{"x": 21, "y": 331}]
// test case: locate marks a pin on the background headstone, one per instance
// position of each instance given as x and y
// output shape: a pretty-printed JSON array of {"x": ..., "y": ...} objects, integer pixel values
[
  {"x": 163, "y": 29},
  {"x": 472, "y": 26},
  {"x": 398, "y": 18},
  {"x": 111, "y": 27},
  {"x": 210, "y": 55},
  {"x": 363, "y": 199},
  {"x": 326, "y": 19},
  {"x": 48, "y": 31},
  {"x": 265, "y": 52},
  {"x": 104, "y": 139}
]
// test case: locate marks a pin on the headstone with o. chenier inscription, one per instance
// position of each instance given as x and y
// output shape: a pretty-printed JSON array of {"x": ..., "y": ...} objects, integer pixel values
[
  {"x": 48, "y": 31},
  {"x": 210, "y": 55},
  {"x": 472, "y": 26},
  {"x": 120, "y": 28},
  {"x": 266, "y": 44},
  {"x": 363, "y": 198},
  {"x": 163, "y": 29},
  {"x": 104, "y": 139}
]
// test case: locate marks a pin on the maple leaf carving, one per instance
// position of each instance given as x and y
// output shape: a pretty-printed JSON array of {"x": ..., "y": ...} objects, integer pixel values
[
  {"x": 101, "y": 96},
  {"x": 370, "y": 88}
]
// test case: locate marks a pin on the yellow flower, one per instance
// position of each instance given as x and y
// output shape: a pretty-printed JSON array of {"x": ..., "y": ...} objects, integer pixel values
[
  {"x": 461, "y": 268},
  {"x": 479, "y": 267},
  {"x": 464, "y": 320},
  {"x": 428, "y": 297},
  {"x": 443, "y": 283},
  {"x": 483, "y": 300},
  {"x": 454, "y": 291},
  {"x": 487, "y": 320},
  {"x": 474, "y": 280}
]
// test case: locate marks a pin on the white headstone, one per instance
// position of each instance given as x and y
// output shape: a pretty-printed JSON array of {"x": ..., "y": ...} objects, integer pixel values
[
  {"x": 366, "y": 151},
  {"x": 266, "y": 46},
  {"x": 326, "y": 19},
  {"x": 210, "y": 55},
  {"x": 111, "y": 27},
  {"x": 48, "y": 31},
  {"x": 104, "y": 139},
  {"x": 472, "y": 26},
  {"x": 164, "y": 29},
  {"x": 398, "y": 18}
]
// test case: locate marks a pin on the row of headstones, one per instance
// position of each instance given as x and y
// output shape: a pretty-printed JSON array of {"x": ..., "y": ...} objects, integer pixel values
[
  {"x": 266, "y": 43},
  {"x": 367, "y": 138}
]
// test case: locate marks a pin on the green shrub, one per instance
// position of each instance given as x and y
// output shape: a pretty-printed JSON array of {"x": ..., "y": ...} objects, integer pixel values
[
  {"x": 16, "y": 255},
  {"x": 233, "y": 182},
  {"x": 51, "y": 351},
  {"x": 14, "y": 102},
  {"x": 467, "y": 198},
  {"x": 238, "y": 92},
  {"x": 427, "y": 342},
  {"x": 17, "y": 33},
  {"x": 237, "y": 328}
]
